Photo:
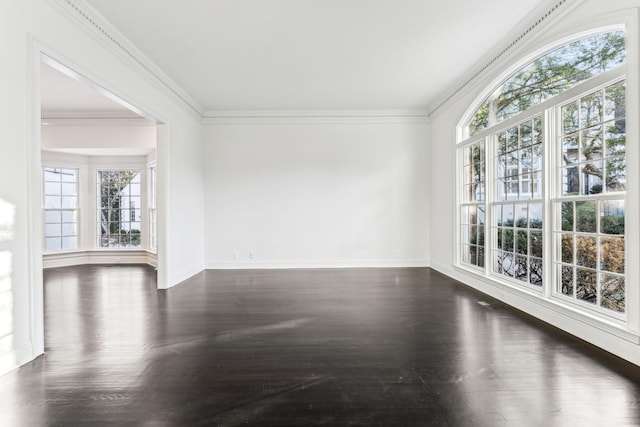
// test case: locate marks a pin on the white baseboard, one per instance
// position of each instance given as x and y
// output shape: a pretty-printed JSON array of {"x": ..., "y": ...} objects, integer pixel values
[
  {"x": 258, "y": 265},
  {"x": 68, "y": 259}
]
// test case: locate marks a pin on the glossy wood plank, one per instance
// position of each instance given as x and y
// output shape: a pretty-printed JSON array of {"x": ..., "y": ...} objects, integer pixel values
[{"x": 359, "y": 347}]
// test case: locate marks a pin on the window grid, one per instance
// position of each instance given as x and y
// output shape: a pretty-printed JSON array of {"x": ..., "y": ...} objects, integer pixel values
[
  {"x": 60, "y": 194},
  {"x": 589, "y": 232},
  {"x": 119, "y": 215},
  {"x": 586, "y": 174},
  {"x": 472, "y": 212}
]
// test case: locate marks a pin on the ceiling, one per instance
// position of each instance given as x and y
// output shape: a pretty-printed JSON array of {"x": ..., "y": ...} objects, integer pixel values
[{"x": 314, "y": 55}]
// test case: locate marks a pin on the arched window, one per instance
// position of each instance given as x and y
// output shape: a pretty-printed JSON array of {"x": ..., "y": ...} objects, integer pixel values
[
  {"x": 550, "y": 75},
  {"x": 542, "y": 177}
]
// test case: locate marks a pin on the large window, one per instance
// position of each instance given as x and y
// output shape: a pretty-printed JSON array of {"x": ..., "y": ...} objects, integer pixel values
[
  {"x": 550, "y": 142},
  {"x": 60, "y": 208},
  {"x": 590, "y": 259},
  {"x": 119, "y": 209}
]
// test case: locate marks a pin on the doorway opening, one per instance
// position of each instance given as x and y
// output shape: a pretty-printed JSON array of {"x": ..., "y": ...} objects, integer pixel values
[{"x": 98, "y": 167}]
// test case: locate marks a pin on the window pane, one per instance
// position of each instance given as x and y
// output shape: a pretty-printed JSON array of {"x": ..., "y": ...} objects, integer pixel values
[
  {"x": 521, "y": 271},
  {"x": 52, "y": 202},
  {"x": 120, "y": 214},
  {"x": 591, "y": 144},
  {"x": 52, "y": 217},
  {"x": 535, "y": 243},
  {"x": 570, "y": 118},
  {"x": 52, "y": 230},
  {"x": 52, "y": 175},
  {"x": 613, "y": 292},
  {"x": 535, "y": 215},
  {"x": 53, "y": 243},
  {"x": 586, "y": 217},
  {"x": 586, "y": 285},
  {"x": 69, "y": 189},
  {"x": 567, "y": 216},
  {"x": 616, "y": 138},
  {"x": 566, "y": 248},
  {"x": 70, "y": 175},
  {"x": 69, "y": 243},
  {"x": 612, "y": 254},
  {"x": 586, "y": 251},
  {"x": 591, "y": 177},
  {"x": 52, "y": 189},
  {"x": 69, "y": 230},
  {"x": 69, "y": 202},
  {"x": 535, "y": 271},
  {"x": 591, "y": 109},
  {"x": 566, "y": 280},
  {"x": 69, "y": 216},
  {"x": 570, "y": 181},
  {"x": 616, "y": 174},
  {"x": 612, "y": 217},
  {"x": 615, "y": 103},
  {"x": 525, "y": 134}
]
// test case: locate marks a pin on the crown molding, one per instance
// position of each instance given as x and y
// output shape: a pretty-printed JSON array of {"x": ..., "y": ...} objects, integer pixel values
[
  {"x": 540, "y": 19},
  {"x": 97, "y": 26},
  {"x": 314, "y": 116},
  {"x": 91, "y": 118}
]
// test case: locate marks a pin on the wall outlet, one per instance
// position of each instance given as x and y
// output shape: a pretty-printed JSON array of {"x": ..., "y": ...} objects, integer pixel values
[
  {"x": 252, "y": 255},
  {"x": 397, "y": 253},
  {"x": 236, "y": 255}
]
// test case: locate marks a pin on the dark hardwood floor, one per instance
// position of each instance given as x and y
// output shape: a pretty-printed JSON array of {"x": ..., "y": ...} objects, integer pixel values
[{"x": 361, "y": 347}]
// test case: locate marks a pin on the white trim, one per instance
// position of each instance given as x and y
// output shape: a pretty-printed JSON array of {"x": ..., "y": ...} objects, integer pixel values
[
  {"x": 317, "y": 264},
  {"x": 98, "y": 27},
  {"x": 71, "y": 258},
  {"x": 34, "y": 199},
  {"x": 314, "y": 117}
]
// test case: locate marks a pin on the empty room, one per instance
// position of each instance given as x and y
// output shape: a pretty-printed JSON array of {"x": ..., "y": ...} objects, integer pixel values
[{"x": 320, "y": 212}]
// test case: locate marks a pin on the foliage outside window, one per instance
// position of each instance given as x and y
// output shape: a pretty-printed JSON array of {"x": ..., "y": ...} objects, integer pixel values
[
  {"x": 472, "y": 212},
  {"x": 119, "y": 216},
  {"x": 590, "y": 234},
  {"x": 60, "y": 208},
  {"x": 518, "y": 206},
  {"x": 586, "y": 157},
  {"x": 550, "y": 75}
]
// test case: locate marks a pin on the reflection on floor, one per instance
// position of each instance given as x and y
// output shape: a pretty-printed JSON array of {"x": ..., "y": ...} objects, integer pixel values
[{"x": 362, "y": 347}]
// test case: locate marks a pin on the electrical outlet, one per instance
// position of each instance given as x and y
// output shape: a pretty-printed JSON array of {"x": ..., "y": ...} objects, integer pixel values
[
  {"x": 252, "y": 255},
  {"x": 236, "y": 255},
  {"x": 397, "y": 253}
]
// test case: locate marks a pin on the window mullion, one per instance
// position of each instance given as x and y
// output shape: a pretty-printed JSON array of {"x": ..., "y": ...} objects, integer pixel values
[{"x": 490, "y": 191}]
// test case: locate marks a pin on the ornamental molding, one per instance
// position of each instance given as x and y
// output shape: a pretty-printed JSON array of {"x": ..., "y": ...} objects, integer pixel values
[{"x": 104, "y": 31}]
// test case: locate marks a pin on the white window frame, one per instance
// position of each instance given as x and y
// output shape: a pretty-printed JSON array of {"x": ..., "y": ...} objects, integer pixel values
[
  {"x": 61, "y": 210},
  {"x": 618, "y": 324},
  {"x": 98, "y": 170}
]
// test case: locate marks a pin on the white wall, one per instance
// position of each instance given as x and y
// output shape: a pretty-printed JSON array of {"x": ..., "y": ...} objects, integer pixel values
[
  {"x": 316, "y": 194},
  {"x": 26, "y": 28},
  {"x": 586, "y": 15},
  {"x": 98, "y": 137}
]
